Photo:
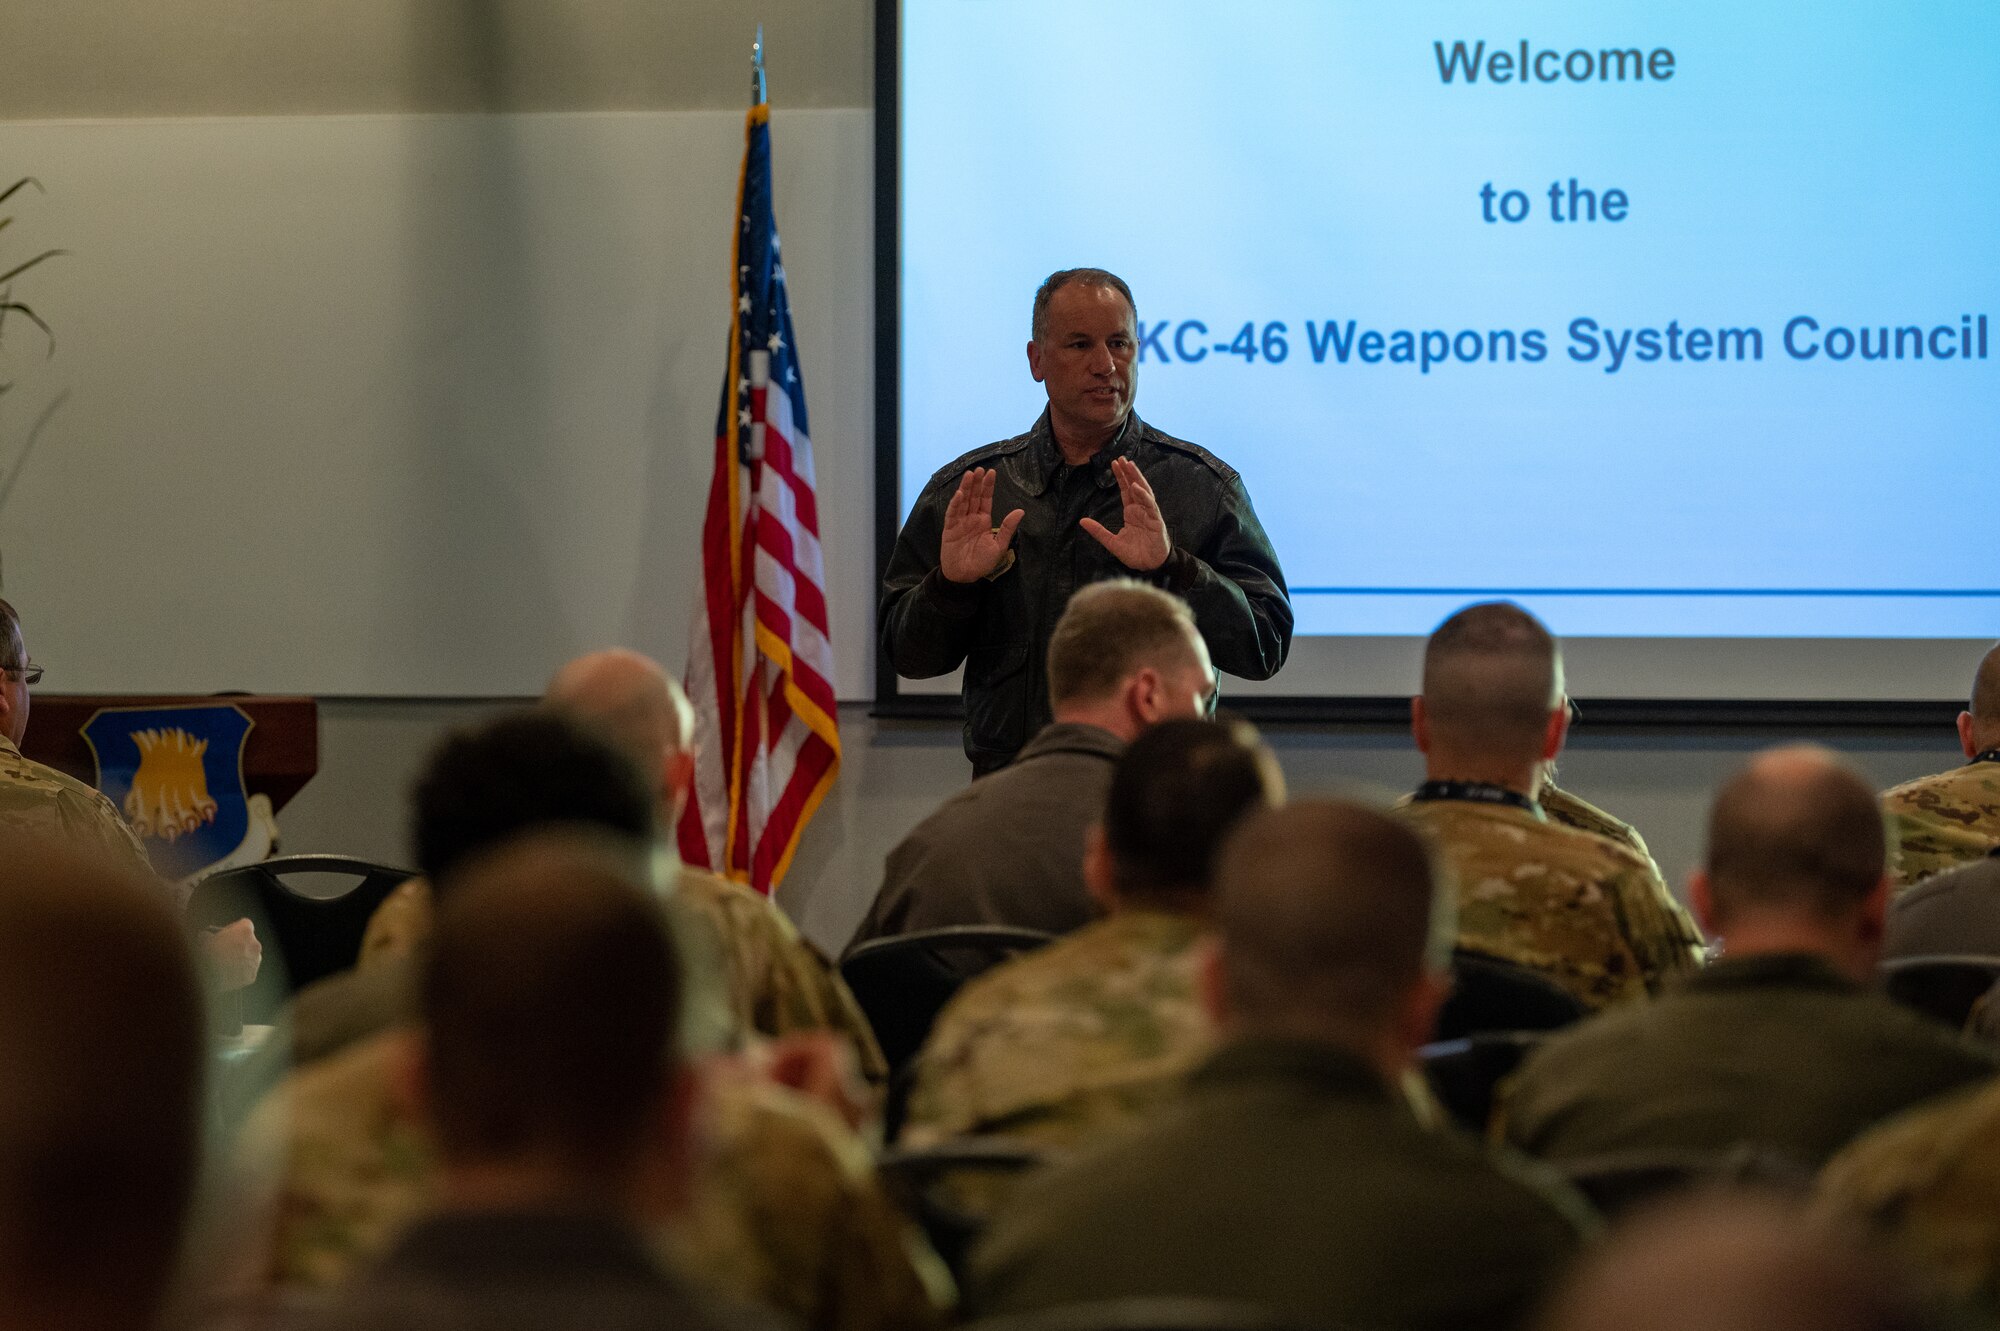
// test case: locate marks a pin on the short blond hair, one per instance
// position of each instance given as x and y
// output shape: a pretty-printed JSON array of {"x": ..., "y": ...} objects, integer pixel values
[{"x": 1111, "y": 629}]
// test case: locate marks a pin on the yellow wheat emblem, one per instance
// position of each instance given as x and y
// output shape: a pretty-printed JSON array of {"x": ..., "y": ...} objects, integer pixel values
[{"x": 169, "y": 797}]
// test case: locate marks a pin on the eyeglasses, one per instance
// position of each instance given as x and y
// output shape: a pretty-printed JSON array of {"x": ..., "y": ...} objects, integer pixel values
[
  {"x": 27, "y": 674},
  {"x": 1575, "y": 712}
]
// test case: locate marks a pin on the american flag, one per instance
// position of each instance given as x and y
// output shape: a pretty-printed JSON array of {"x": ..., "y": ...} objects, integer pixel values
[{"x": 760, "y": 667}]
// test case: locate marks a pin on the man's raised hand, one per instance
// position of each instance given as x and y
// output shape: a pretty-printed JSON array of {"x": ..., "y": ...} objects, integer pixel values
[
  {"x": 1142, "y": 542},
  {"x": 972, "y": 546}
]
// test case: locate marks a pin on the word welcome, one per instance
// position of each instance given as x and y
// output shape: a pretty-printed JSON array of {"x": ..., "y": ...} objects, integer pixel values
[{"x": 1524, "y": 65}]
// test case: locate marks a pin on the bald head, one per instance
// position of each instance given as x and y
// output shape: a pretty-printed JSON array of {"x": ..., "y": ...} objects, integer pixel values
[
  {"x": 631, "y": 700},
  {"x": 1330, "y": 917},
  {"x": 1796, "y": 831},
  {"x": 1733, "y": 1263},
  {"x": 1492, "y": 677},
  {"x": 550, "y": 998},
  {"x": 1985, "y": 703},
  {"x": 102, "y": 1042}
]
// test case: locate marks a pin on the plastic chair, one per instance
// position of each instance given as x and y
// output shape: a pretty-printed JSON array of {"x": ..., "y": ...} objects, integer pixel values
[
  {"x": 1619, "y": 1182},
  {"x": 1943, "y": 987},
  {"x": 925, "y": 1182},
  {"x": 1154, "y": 1314},
  {"x": 1490, "y": 994},
  {"x": 902, "y": 983},
  {"x": 307, "y": 935},
  {"x": 1464, "y": 1073}
]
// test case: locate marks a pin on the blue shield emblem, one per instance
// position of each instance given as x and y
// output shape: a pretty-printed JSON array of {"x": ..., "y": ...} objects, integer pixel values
[{"x": 176, "y": 774}]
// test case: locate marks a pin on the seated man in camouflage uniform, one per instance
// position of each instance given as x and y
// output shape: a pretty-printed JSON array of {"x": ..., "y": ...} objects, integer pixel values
[
  {"x": 1291, "y": 1175},
  {"x": 1928, "y": 1182},
  {"x": 1780, "y": 1045},
  {"x": 785, "y": 1209},
  {"x": 37, "y": 799},
  {"x": 1953, "y": 818},
  {"x": 1589, "y": 913},
  {"x": 1089, "y": 1033}
]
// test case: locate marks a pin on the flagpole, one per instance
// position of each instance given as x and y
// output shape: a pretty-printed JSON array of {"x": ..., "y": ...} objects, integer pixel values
[{"x": 759, "y": 92}]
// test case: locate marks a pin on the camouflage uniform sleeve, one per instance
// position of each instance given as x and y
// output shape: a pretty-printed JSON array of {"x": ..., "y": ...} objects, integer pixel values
[
  {"x": 89, "y": 819},
  {"x": 1922, "y": 844},
  {"x": 399, "y": 925},
  {"x": 1925, "y": 1182},
  {"x": 787, "y": 1213},
  {"x": 1661, "y": 933}
]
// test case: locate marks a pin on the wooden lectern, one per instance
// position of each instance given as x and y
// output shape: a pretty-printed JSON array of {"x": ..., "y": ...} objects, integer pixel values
[{"x": 279, "y": 757}]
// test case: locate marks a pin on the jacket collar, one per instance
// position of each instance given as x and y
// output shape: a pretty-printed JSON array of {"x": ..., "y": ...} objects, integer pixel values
[
  {"x": 1321, "y": 1067},
  {"x": 1045, "y": 458},
  {"x": 1071, "y": 737},
  {"x": 1769, "y": 970}
]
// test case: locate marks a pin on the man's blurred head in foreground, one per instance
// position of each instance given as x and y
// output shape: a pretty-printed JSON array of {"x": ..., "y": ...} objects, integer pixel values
[
  {"x": 102, "y": 1042},
  {"x": 548, "y": 1067}
]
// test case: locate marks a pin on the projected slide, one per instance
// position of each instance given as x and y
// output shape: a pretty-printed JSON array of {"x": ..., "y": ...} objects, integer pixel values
[{"x": 1667, "y": 321}]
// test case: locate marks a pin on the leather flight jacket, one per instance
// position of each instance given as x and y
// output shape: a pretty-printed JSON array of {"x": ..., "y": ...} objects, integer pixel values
[{"x": 1222, "y": 565}]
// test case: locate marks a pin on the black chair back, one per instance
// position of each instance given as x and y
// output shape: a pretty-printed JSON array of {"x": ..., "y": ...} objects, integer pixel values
[
  {"x": 903, "y": 982},
  {"x": 1489, "y": 994},
  {"x": 921, "y": 1181},
  {"x": 1618, "y": 1183},
  {"x": 309, "y": 920},
  {"x": 1943, "y": 987},
  {"x": 1465, "y": 1073}
]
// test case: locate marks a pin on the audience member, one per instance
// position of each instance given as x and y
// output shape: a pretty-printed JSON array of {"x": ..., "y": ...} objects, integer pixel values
[
  {"x": 1738, "y": 1262},
  {"x": 784, "y": 1210},
  {"x": 1927, "y": 1182},
  {"x": 779, "y": 984},
  {"x": 1097, "y": 1029},
  {"x": 1780, "y": 1044},
  {"x": 38, "y": 799},
  {"x": 101, "y": 1051},
  {"x": 1942, "y": 821},
  {"x": 1293, "y": 1176},
  {"x": 1009, "y": 849},
  {"x": 547, "y": 1079},
  {"x": 1591, "y": 914}
]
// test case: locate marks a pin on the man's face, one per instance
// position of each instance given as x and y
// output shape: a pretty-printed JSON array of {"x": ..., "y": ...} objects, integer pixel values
[
  {"x": 1087, "y": 356},
  {"x": 13, "y": 689}
]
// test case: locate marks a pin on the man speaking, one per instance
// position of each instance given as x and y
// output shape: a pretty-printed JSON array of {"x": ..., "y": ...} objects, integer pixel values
[{"x": 1091, "y": 492}]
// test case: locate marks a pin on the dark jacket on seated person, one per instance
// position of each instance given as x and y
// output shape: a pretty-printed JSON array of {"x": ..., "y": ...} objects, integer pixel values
[
  {"x": 1953, "y": 913},
  {"x": 1293, "y": 1178},
  {"x": 529, "y": 1269},
  {"x": 1779, "y": 1051},
  {"x": 1008, "y": 849}
]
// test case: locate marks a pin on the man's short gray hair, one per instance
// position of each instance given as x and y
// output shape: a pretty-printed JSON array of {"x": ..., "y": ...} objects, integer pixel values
[
  {"x": 1089, "y": 277},
  {"x": 1111, "y": 629},
  {"x": 1492, "y": 675}
]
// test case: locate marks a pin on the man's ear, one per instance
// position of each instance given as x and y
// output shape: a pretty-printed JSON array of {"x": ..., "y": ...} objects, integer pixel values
[
  {"x": 1097, "y": 876},
  {"x": 678, "y": 779},
  {"x": 1035, "y": 359},
  {"x": 1556, "y": 734},
  {"x": 1147, "y": 693},
  {"x": 409, "y": 1073},
  {"x": 1701, "y": 899},
  {"x": 1874, "y": 923},
  {"x": 1420, "y": 724},
  {"x": 1966, "y": 722},
  {"x": 1416, "y": 1024},
  {"x": 1212, "y": 983}
]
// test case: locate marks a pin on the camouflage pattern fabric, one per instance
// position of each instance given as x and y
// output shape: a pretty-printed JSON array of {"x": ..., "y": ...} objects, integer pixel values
[
  {"x": 43, "y": 802},
  {"x": 1940, "y": 822},
  {"x": 783, "y": 1211},
  {"x": 1590, "y": 914},
  {"x": 1065, "y": 1043},
  {"x": 1575, "y": 811},
  {"x": 777, "y": 982},
  {"x": 1928, "y": 1182}
]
